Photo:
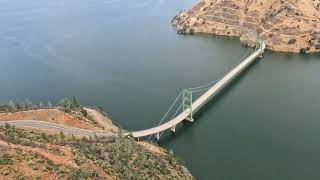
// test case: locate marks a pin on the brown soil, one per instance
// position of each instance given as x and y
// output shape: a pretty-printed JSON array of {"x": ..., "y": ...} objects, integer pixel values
[
  {"x": 152, "y": 148},
  {"x": 56, "y": 159},
  {"x": 104, "y": 121},
  {"x": 90, "y": 165},
  {"x": 21, "y": 168},
  {"x": 288, "y": 26},
  {"x": 47, "y": 115}
]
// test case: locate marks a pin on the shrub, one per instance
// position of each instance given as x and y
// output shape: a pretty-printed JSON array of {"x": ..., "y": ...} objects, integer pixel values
[
  {"x": 49, "y": 104},
  {"x": 71, "y": 104},
  {"x": 84, "y": 112},
  {"x": 12, "y": 106},
  {"x": 80, "y": 174},
  {"x": 65, "y": 102},
  {"x": 292, "y": 41},
  {"x": 303, "y": 51},
  {"x": 191, "y": 31},
  {"x": 6, "y": 159},
  {"x": 27, "y": 104},
  {"x": 75, "y": 103}
]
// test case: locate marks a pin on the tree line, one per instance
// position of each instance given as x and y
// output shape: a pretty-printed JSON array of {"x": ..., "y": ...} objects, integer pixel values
[{"x": 66, "y": 103}]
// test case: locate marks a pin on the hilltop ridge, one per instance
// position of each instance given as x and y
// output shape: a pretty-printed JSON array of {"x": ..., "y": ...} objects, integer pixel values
[{"x": 287, "y": 26}]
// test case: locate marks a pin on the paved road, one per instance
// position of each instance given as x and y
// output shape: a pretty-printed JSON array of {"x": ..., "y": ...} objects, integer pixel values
[{"x": 55, "y": 127}]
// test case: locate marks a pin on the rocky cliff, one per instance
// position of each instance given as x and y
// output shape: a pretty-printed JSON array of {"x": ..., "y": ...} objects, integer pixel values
[{"x": 288, "y": 26}]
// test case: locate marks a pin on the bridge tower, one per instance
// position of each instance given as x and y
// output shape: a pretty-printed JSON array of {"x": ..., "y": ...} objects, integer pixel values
[{"x": 187, "y": 104}]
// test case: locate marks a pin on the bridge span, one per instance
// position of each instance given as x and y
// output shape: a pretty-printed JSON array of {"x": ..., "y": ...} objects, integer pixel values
[{"x": 187, "y": 113}]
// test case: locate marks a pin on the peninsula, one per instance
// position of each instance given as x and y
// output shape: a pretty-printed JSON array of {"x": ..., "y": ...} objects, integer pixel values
[{"x": 286, "y": 26}]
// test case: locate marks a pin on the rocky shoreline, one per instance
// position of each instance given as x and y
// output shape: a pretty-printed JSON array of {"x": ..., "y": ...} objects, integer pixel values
[{"x": 286, "y": 26}]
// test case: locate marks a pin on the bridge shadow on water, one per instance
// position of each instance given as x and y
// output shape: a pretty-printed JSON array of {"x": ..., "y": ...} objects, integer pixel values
[{"x": 186, "y": 126}]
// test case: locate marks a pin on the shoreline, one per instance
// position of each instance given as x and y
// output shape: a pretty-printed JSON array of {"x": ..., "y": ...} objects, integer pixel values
[
  {"x": 236, "y": 19},
  {"x": 106, "y": 131}
]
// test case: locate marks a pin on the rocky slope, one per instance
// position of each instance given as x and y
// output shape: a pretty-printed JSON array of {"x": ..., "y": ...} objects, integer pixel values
[
  {"x": 42, "y": 154},
  {"x": 26, "y": 154},
  {"x": 288, "y": 26}
]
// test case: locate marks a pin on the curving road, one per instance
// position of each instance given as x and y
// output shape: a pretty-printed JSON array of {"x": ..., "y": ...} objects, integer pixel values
[{"x": 55, "y": 127}]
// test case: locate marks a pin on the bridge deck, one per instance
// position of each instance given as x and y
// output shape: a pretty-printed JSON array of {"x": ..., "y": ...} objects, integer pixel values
[{"x": 197, "y": 104}]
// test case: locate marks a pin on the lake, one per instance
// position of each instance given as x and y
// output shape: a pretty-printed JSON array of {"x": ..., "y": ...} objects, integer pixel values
[{"x": 126, "y": 57}]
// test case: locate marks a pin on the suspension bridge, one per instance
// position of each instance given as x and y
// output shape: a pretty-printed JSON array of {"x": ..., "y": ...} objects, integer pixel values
[{"x": 189, "y": 106}]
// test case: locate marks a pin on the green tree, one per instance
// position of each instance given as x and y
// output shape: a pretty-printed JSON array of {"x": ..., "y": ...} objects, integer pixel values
[
  {"x": 62, "y": 136},
  {"x": 49, "y": 104},
  {"x": 44, "y": 136},
  {"x": 65, "y": 102},
  {"x": 7, "y": 126},
  {"x": 12, "y": 106},
  {"x": 73, "y": 138},
  {"x": 75, "y": 102},
  {"x": 41, "y": 105},
  {"x": 27, "y": 104}
]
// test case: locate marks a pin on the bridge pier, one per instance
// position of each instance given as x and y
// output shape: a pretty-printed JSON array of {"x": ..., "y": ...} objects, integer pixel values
[
  {"x": 173, "y": 129},
  {"x": 158, "y": 136},
  {"x": 190, "y": 120}
]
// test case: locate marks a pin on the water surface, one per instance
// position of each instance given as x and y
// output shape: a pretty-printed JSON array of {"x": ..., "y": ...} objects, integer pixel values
[{"x": 126, "y": 57}]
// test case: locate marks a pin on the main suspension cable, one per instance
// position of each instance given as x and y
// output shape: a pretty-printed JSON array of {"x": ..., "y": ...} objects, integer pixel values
[
  {"x": 192, "y": 90},
  {"x": 175, "y": 101}
]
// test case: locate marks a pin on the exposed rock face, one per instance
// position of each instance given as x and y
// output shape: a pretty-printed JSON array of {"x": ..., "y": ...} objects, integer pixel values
[{"x": 285, "y": 25}]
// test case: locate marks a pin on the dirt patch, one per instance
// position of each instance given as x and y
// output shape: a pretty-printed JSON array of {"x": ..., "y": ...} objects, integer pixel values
[
  {"x": 22, "y": 169},
  {"x": 152, "y": 148},
  {"x": 90, "y": 165},
  {"x": 66, "y": 159},
  {"x": 21, "y": 162},
  {"x": 47, "y": 115},
  {"x": 104, "y": 121}
]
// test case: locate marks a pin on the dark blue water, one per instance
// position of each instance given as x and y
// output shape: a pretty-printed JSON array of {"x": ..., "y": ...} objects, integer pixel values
[{"x": 126, "y": 57}]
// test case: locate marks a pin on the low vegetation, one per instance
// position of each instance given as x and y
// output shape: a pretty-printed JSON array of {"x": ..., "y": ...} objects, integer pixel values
[
  {"x": 39, "y": 166},
  {"x": 120, "y": 157},
  {"x": 73, "y": 107}
]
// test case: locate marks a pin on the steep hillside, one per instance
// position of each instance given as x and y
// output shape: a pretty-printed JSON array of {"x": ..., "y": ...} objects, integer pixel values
[
  {"x": 288, "y": 26},
  {"x": 26, "y": 154},
  {"x": 45, "y": 145}
]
